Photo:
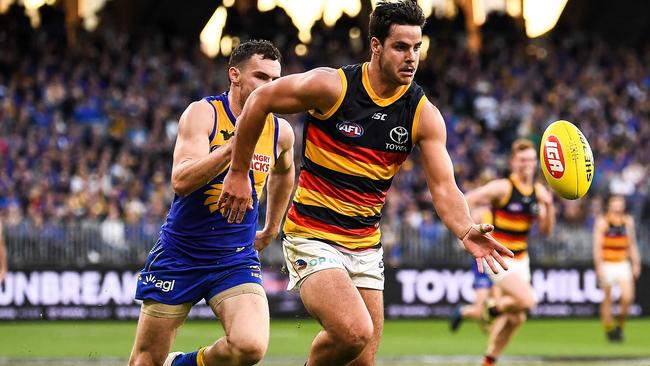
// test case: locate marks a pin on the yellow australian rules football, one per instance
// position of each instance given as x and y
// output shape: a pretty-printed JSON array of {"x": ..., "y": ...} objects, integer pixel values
[{"x": 566, "y": 160}]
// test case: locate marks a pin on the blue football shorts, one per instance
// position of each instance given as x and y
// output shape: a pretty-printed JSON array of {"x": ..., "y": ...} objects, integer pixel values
[
  {"x": 481, "y": 280},
  {"x": 167, "y": 280}
]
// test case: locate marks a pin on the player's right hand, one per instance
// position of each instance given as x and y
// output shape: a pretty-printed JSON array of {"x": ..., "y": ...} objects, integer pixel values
[
  {"x": 235, "y": 196},
  {"x": 479, "y": 243}
]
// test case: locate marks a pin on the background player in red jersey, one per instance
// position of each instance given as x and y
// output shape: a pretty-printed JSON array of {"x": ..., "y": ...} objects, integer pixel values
[
  {"x": 617, "y": 262},
  {"x": 363, "y": 121}
]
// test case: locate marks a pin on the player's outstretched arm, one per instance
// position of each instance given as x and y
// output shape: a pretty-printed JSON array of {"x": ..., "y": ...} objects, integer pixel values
[
  {"x": 546, "y": 215},
  {"x": 194, "y": 165},
  {"x": 488, "y": 194},
  {"x": 317, "y": 89},
  {"x": 448, "y": 200},
  {"x": 279, "y": 187},
  {"x": 634, "y": 248}
]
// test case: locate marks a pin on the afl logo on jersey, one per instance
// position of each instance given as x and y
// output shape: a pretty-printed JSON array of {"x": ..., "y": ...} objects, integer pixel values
[
  {"x": 515, "y": 207},
  {"x": 350, "y": 129},
  {"x": 399, "y": 135}
]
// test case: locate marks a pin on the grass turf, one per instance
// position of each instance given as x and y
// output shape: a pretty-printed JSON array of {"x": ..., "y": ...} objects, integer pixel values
[{"x": 291, "y": 338}]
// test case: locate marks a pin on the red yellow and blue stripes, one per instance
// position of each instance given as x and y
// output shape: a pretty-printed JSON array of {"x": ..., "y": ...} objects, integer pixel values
[
  {"x": 341, "y": 191},
  {"x": 511, "y": 229},
  {"x": 616, "y": 244}
]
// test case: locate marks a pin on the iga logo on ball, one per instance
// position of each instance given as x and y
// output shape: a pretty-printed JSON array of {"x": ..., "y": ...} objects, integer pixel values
[
  {"x": 566, "y": 160},
  {"x": 553, "y": 158}
]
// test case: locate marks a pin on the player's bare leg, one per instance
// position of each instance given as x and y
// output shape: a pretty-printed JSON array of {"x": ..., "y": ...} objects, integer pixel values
[
  {"x": 153, "y": 340},
  {"x": 245, "y": 320},
  {"x": 606, "y": 309},
  {"x": 332, "y": 299},
  {"x": 374, "y": 300},
  {"x": 517, "y": 295},
  {"x": 475, "y": 310},
  {"x": 515, "y": 300},
  {"x": 502, "y": 331},
  {"x": 627, "y": 298}
]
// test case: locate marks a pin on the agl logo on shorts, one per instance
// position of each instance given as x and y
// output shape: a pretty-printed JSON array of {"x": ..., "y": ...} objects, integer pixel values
[
  {"x": 164, "y": 286},
  {"x": 553, "y": 157}
]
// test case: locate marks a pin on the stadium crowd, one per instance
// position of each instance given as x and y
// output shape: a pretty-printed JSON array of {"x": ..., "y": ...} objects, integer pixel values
[{"x": 87, "y": 132}]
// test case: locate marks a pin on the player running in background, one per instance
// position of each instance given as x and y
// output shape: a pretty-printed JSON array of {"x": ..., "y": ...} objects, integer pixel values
[
  {"x": 482, "y": 285},
  {"x": 199, "y": 254},
  {"x": 617, "y": 262},
  {"x": 363, "y": 121},
  {"x": 516, "y": 201}
]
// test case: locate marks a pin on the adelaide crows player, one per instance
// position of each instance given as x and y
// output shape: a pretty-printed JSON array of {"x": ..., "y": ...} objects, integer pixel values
[
  {"x": 516, "y": 202},
  {"x": 617, "y": 262},
  {"x": 199, "y": 254},
  {"x": 362, "y": 122}
]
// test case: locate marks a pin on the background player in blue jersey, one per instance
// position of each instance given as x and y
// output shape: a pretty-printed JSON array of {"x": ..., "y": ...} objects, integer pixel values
[
  {"x": 368, "y": 123},
  {"x": 199, "y": 254}
]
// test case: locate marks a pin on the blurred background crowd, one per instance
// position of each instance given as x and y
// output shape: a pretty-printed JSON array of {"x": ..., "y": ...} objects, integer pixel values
[{"x": 87, "y": 132}]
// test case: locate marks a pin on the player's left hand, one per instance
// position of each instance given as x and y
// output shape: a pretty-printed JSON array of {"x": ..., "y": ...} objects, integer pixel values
[
  {"x": 479, "y": 243},
  {"x": 263, "y": 239}
]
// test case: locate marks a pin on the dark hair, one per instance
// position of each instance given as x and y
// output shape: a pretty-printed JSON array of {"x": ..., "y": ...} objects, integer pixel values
[
  {"x": 386, "y": 13},
  {"x": 246, "y": 50}
]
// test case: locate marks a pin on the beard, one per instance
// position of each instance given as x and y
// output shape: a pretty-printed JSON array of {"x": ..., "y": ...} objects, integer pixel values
[{"x": 243, "y": 96}]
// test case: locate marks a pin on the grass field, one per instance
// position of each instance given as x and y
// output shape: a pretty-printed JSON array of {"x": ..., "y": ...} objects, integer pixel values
[{"x": 551, "y": 342}]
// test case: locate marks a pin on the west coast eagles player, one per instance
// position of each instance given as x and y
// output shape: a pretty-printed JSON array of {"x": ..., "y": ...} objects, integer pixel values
[
  {"x": 516, "y": 202},
  {"x": 199, "y": 254},
  {"x": 617, "y": 262}
]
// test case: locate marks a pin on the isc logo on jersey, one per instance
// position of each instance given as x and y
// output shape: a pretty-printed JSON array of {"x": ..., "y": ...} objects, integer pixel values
[
  {"x": 566, "y": 160},
  {"x": 350, "y": 129}
]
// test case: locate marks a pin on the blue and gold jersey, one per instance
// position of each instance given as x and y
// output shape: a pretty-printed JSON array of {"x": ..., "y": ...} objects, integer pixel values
[{"x": 195, "y": 231}]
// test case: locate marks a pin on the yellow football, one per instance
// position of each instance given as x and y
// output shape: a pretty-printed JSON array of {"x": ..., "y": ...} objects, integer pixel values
[{"x": 566, "y": 159}]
